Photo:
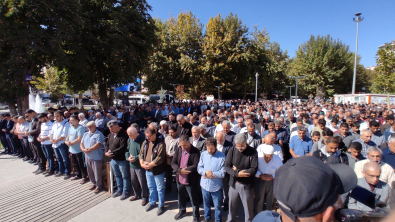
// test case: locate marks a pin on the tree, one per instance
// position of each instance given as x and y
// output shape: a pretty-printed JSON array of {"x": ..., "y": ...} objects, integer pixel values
[
  {"x": 177, "y": 56},
  {"x": 180, "y": 94},
  {"x": 110, "y": 47},
  {"x": 384, "y": 80},
  {"x": 31, "y": 35},
  {"x": 51, "y": 81}
]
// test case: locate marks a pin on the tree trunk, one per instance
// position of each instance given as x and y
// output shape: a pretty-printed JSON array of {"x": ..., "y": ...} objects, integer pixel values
[
  {"x": 111, "y": 98},
  {"x": 103, "y": 97},
  {"x": 80, "y": 100},
  {"x": 12, "y": 107},
  {"x": 19, "y": 105},
  {"x": 320, "y": 91}
]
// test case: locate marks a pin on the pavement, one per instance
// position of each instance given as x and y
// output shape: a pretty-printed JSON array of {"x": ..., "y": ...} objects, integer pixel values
[{"x": 111, "y": 209}]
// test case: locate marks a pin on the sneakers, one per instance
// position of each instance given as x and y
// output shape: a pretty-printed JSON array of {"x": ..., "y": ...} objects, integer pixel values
[
  {"x": 59, "y": 174},
  {"x": 117, "y": 194},
  {"x": 149, "y": 207},
  {"x": 39, "y": 172},
  {"x": 180, "y": 215},
  {"x": 160, "y": 211},
  {"x": 49, "y": 173},
  {"x": 124, "y": 196}
]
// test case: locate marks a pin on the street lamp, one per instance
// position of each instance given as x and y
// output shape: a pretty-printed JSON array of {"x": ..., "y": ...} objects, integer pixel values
[
  {"x": 296, "y": 85},
  {"x": 219, "y": 87},
  {"x": 256, "y": 87},
  {"x": 290, "y": 96},
  {"x": 358, "y": 20}
]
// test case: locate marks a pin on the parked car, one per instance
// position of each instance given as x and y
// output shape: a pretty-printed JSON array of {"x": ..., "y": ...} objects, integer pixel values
[
  {"x": 3, "y": 106},
  {"x": 86, "y": 101}
]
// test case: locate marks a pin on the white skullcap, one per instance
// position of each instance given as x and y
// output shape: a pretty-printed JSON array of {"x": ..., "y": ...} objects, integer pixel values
[{"x": 265, "y": 149}]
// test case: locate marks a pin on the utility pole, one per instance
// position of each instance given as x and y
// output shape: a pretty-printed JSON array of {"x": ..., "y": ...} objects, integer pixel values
[
  {"x": 296, "y": 85},
  {"x": 290, "y": 96},
  {"x": 358, "y": 20},
  {"x": 256, "y": 87},
  {"x": 219, "y": 87}
]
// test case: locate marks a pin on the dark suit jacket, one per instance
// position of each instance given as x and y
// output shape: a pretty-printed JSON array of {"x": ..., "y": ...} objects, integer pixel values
[
  {"x": 193, "y": 161},
  {"x": 117, "y": 145},
  {"x": 8, "y": 127},
  {"x": 201, "y": 144},
  {"x": 185, "y": 129},
  {"x": 158, "y": 116},
  {"x": 3, "y": 124},
  {"x": 36, "y": 129},
  {"x": 124, "y": 120},
  {"x": 229, "y": 137}
]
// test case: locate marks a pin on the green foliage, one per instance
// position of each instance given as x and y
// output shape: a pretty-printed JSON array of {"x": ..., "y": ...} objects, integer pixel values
[
  {"x": 385, "y": 71},
  {"x": 51, "y": 81}
]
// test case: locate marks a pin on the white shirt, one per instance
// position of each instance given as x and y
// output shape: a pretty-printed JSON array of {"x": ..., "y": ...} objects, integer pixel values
[
  {"x": 60, "y": 130},
  {"x": 220, "y": 147},
  {"x": 387, "y": 172},
  {"x": 268, "y": 168},
  {"x": 83, "y": 123},
  {"x": 46, "y": 129},
  {"x": 195, "y": 141}
]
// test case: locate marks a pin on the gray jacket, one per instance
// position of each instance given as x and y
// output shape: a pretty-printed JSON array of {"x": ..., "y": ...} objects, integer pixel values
[
  {"x": 382, "y": 189},
  {"x": 200, "y": 145},
  {"x": 255, "y": 141}
]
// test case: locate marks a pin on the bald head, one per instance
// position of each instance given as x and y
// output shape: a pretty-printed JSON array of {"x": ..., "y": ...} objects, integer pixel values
[
  {"x": 366, "y": 135},
  {"x": 370, "y": 167},
  {"x": 269, "y": 140}
]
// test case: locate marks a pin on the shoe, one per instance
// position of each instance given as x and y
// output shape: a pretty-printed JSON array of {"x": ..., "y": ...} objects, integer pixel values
[
  {"x": 84, "y": 180},
  {"x": 75, "y": 178},
  {"x": 59, "y": 174},
  {"x": 117, "y": 194},
  {"x": 39, "y": 172},
  {"x": 144, "y": 202},
  {"x": 45, "y": 173},
  {"x": 195, "y": 220},
  {"x": 134, "y": 198},
  {"x": 49, "y": 173},
  {"x": 66, "y": 177},
  {"x": 25, "y": 159},
  {"x": 98, "y": 189},
  {"x": 160, "y": 211},
  {"x": 124, "y": 196},
  {"x": 92, "y": 187},
  {"x": 35, "y": 163},
  {"x": 149, "y": 207},
  {"x": 207, "y": 220},
  {"x": 226, "y": 207},
  {"x": 180, "y": 215},
  {"x": 30, "y": 161}
]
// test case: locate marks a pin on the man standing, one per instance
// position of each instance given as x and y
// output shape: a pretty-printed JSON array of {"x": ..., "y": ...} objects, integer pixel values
[
  {"x": 99, "y": 121},
  {"x": 115, "y": 149},
  {"x": 8, "y": 135},
  {"x": 171, "y": 142},
  {"x": 3, "y": 139},
  {"x": 92, "y": 146},
  {"x": 240, "y": 125},
  {"x": 137, "y": 173},
  {"x": 377, "y": 136},
  {"x": 46, "y": 145},
  {"x": 153, "y": 160},
  {"x": 184, "y": 128},
  {"x": 212, "y": 168},
  {"x": 34, "y": 132},
  {"x": 241, "y": 164},
  {"x": 185, "y": 162},
  {"x": 300, "y": 145},
  {"x": 354, "y": 154},
  {"x": 158, "y": 114},
  {"x": 197, "y": 141},
  {"x": 229, "y": 135},
  {"x": 268, "y": 163},
  {"x": 83, "y": 121},
  {"x": 365, "y": 141},
  {"x": 58, "y": 135},
  {"x": 252, "y": 138},
  {"x": 73, "y": 140}
]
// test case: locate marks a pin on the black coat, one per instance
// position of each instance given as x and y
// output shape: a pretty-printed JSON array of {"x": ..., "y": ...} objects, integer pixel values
[{"x": 193, "y": 161}]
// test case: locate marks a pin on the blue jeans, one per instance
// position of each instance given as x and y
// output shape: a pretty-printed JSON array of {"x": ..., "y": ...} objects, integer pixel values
[
  {"x": 156, "y": 186},
  {"x": 62, "y": 154},
  {"x": 122, "y": 176},
  {"x": 48, "y": 153},
  {"x": 217, "y": 199},
  {"x": 11, "y": 143}
]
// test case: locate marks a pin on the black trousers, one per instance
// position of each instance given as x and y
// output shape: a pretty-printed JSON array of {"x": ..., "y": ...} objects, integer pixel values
[
  {"x": 169, "y": 177},
  {"x": 191, "y": 191},
  {"x": 26, "y": 148},
  {"x": 79, "y": 165},
  {"x": 41, "y": 157}
]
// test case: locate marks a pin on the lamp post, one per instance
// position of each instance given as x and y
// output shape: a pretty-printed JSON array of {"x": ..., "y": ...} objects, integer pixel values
[
  {"x": 219, "y": 87},
  {"x": 296, "y": 85},
  {"x": 256, "y": 87},
  {"x": 358, "y": 20},
  {"x": 290, "y": 97}
]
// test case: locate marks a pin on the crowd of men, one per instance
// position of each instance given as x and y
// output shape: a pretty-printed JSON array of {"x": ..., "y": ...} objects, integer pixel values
[{"x": 266, "y": 154}]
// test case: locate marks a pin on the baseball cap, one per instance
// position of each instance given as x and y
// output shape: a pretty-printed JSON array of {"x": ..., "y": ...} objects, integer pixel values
[{"x": 306, "y": 186}]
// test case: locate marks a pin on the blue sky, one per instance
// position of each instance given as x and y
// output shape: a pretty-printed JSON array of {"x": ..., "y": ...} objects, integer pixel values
[{"x": 290, "y": 23}]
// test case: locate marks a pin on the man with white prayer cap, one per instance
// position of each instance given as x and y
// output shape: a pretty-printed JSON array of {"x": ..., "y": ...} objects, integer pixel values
[{"x": 268, "y": 163}]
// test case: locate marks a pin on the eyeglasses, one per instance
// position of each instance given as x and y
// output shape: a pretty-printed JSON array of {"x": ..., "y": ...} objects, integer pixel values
[{"x": 378, "y": 177}]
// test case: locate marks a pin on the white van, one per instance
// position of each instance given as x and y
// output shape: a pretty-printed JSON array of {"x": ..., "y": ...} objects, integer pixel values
[
  {"x": 137, "y": 99},
  {"x": 167, "y": 97}
]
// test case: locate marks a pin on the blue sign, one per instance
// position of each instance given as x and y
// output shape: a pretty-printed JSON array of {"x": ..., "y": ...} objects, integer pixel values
[{"x": 28, "y": 77}]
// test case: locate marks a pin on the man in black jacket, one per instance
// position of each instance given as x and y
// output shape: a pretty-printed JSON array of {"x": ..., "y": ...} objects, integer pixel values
[
  {"x": 330, "y": 152},
  {"x": 115, "y": 149},
  {"x": 34, "y": 132},
  {"x": 184, "y": 128},
  {"x": 185, "y": 162},
  {"x": 3, "y": 140},
  {"x": 9, "y": 136},
  {"x": 241, "y": 164},
  {"x": 125, "y": 118}
]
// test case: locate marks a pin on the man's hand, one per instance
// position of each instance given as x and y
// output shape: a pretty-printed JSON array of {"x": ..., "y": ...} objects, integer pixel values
[
  {"x": 266, "y": 177},
  {"x": 244, "y": 174},
  {"x": 234, "y": 168},
  {"x": 109, "y": 154},
  {"x": 68, "y": 143},
  {"x": 39, "y": 139},
  {"x": 184, "y": 171},
  {"x": 209, "y": 174},
  {"x": 131, "y": 159},
  {"x": 4, "y": 130}
]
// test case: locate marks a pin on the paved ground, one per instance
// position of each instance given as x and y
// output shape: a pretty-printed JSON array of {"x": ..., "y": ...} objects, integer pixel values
[{"x": 13, "y": 170}]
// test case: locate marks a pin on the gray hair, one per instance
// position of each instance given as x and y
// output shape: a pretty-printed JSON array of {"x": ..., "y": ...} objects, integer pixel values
[
  {"x": 240, "y": 138},
  {"x": 202, "y": 126},
  {"x": 90, "y": 123},
  {"x": 112, "y": 123},
  {"x": 180, "y": 117},
  {"x": 154, "y": 125},
  {"x": 98, "y": 113},
  {"x": 225, "y": 122},
  {"x": 301, "y": 128},
  {"x": 163, "y": 122},
  {"x": 81, "y": 114},
  {"x": 195, "y": 127},
  {"x": 281, "y": 118},
  {"x": 132, "y": 129},
  {"x": 374, "y": 149},
  {"x": 240, "y": 118},
  {"x": 277, "y": 122}
]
